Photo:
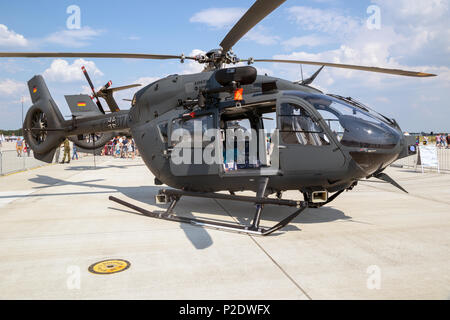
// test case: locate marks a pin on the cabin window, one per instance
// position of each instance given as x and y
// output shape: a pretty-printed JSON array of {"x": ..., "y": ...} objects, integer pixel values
[
  {"x": 297, "y": 127},
  {"x": 189, "y": 125}
]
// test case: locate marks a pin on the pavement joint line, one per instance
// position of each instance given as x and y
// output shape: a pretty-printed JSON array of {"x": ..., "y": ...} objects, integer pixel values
[
  {"x": 268, "y": 255},
  {"x": 408, "y": 194}
]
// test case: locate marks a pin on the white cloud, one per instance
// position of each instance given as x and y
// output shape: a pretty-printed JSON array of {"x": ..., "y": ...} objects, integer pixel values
[
  {"x": 424, "y": 26},
  {"x": 327, "y": 21},
  {"x": 305, "y": 41},
  {"x": 61, "y": 70},
  {"x": 260, "y": 35},
  {"x": 416, "y": 10},
  {"x": 218, "y": 17},
  {"x": 10, "y": 87},
  {"x": 8, "y": 38},
  {"x": 75, "y": 38},
  {"x": 386, "y": 47}
]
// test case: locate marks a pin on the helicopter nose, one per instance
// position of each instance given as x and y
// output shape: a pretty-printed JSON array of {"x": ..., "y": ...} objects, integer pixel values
[{"x": 378, "y": 157}]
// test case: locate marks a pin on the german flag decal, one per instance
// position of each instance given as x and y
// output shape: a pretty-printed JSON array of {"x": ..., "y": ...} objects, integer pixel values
[
  {"x": 81, "y": 104},
  {"x": 34, "y": 89}
]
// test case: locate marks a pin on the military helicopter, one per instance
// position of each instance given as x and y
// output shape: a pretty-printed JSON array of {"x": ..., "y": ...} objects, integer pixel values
[{"x": 319, "y": 144}]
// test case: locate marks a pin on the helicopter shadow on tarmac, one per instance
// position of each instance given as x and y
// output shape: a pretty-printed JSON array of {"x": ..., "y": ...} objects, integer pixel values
[
  {"x": 199, "y": 237},
  {"x": 243, "y": 213}
]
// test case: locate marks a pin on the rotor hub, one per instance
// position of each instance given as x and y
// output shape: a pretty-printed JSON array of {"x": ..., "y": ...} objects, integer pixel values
[{"x": 217, "y": 59}]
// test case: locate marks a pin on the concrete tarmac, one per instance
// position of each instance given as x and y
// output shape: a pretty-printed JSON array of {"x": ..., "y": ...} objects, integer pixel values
[{"x": 374, "y": 242}]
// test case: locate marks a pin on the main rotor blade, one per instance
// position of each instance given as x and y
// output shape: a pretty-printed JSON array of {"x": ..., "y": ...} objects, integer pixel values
[
  {"x": 352, "y": 67},
  {"x": 91, "y": 55},
  {"x": 259, "y": 10}
]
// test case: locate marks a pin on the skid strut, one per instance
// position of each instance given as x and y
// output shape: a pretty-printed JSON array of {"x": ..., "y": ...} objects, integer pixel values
[{"x": 253, "y": 229}]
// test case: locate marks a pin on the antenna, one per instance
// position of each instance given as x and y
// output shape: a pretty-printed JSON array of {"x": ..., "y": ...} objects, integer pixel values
[{"x": 301, "y": 70}]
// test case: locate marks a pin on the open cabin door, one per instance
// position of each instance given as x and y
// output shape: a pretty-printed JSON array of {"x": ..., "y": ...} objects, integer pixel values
[
  {"x": 249, "y": 140},
  {"x": 305, "y": 145}
]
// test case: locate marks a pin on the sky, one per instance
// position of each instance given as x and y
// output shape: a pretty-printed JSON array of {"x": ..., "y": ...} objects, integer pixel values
[{"x": 407, "y": 34}]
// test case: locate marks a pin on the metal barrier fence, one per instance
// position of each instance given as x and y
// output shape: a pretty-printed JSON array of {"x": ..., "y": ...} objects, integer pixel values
[
  {"x": 10, "y": 162},
  {"x": 411, "y": 162}
]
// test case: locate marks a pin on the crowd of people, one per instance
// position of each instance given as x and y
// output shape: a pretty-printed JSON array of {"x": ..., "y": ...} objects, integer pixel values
[
  {"x": 121, "y": 147},
  {"x": 118, "y": 147},
  {"x": 442, "y": 140}
]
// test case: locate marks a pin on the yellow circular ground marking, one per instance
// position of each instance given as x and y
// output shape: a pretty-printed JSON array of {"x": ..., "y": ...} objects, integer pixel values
[{"x": 109, "y": 266}]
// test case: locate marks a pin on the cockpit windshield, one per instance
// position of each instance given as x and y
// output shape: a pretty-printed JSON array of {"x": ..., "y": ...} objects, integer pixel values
[{"x": 353, "y": 126}]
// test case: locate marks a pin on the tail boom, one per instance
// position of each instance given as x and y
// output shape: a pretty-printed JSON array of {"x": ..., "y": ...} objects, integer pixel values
[{"x": 45, "y": 128}]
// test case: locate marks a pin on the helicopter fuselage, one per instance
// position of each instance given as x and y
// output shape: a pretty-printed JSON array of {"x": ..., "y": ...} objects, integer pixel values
[{"x": 322, "y": 142}]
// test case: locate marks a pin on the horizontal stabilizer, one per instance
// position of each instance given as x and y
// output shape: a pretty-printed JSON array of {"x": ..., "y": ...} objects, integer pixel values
[{"x": 82, "y": 106}]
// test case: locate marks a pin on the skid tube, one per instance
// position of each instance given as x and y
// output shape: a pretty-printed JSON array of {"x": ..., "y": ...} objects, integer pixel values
[{"x": 254, "y": 229}]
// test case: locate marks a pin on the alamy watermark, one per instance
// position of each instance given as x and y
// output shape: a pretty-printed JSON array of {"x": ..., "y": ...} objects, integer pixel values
[
  {"x": 374, "y": 20},
  {"x": 230, "y": 147},
  {"x": 374, "y": 279},
  {"x": 73, "y": 281},
  {"x": 73, "y": 22}
]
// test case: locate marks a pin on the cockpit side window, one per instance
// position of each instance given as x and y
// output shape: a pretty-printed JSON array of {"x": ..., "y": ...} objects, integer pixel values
[
  {"x": 333, "y": 123},
  {"x": 297, "y": 127}
]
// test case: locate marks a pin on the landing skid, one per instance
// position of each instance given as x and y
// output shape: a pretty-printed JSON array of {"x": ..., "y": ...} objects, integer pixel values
[{"x": 174, "y": 197}]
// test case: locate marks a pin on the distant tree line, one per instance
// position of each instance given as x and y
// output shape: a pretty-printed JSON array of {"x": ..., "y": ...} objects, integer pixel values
[{"x": 17, "y": 132}]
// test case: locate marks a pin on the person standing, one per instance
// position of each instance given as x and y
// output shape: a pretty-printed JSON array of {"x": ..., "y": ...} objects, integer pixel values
[
  {"x": 448, "y": 141},
  {"x": 74, "y": 152},
  {"x": 125, "y": 148},
  {"x": 19, "y": 146},
  {"x": 28, "y": 148},
  {"x": 133, "y": 148},
  {"x": 121, "y": 147},
  {"x": 117, "y": 150},
  {"x": 66, "y": 151}
]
